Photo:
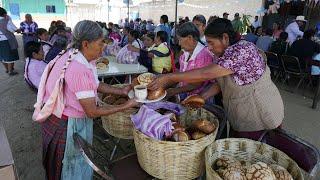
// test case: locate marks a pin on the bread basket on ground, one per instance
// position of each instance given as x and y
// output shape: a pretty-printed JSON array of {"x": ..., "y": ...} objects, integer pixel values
[
  {"x": 175, "y": 160},
  {"x": 251, "y": 151},
  {"x": 119, "y": 124}
]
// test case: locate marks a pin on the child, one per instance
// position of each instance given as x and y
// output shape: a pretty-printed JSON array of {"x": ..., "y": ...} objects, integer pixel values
[
  {"x": 43, "y": 36},
  {"x": 34, "y": 66}
]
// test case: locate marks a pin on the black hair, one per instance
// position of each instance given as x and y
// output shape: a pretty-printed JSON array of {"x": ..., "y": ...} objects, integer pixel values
[
  {"x": 127, "y": 28},
  {"x": 61, "y": 41},
  {"x": 221, "y": 26},
  {"x": 187, "y": 29},
  {"x": 135, "y": 34},
  {"x": 283, "y": 36},
  {"x": 150, "y": 35},
  {"x": 59, "y": 29},
  {"x": 165, "y": 19},
  {"x": 269, "y": 32},
  {"x": 3, "y": 12},
  {"x": 256, "y": 31},
  {"x": 31, "y": 47},
  {"x": 162, "y": 35},
  {"x": 41, "y": 31},
  {"x": 308, "y": 34},
  {"x": 200, "y": 18}
]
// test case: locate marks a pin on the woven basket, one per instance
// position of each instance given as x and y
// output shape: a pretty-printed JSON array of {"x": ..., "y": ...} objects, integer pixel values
[
  {"x": 175, "y": 160},
  {"x": 119, "y": 124},
  {"x": 248, "y": 150}
]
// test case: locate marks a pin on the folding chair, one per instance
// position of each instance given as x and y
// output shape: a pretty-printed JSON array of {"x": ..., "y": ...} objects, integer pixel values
[
  {"x": 303, "y": 153},
  {"x": 275, "y": 64},
  {"x": 291, "y": 66},
  {"x": 107, "y": 141},
  {"x": 219, "y": 112},
  {"x": 124, "y": 168}
]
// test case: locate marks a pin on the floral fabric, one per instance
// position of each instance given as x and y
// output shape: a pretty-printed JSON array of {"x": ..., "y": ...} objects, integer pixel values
[{"x": 244, "y": 60}]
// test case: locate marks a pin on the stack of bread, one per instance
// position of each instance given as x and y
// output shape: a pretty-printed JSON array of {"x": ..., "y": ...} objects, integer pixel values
[
  {"x": 102, "y": 63},
  {"x": 145, "y": 79},
  {"x": 193, "y": 101},
  {"x": 115, "y": 99},
  {"x": 197, "y": 130},
  {"x": 230, "y": 168}
]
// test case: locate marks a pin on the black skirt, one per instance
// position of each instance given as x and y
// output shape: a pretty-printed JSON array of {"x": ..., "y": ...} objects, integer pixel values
[{"x": 7, "y": 54}]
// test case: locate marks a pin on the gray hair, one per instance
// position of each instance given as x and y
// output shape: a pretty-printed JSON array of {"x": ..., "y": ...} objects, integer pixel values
[
  {"x": 85, "y": 31},
  {"x": 187, "y": 29}
]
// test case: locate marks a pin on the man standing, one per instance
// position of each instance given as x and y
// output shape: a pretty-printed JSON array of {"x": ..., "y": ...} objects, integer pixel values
[
  {"x": 28, "y": 29},
  {"x": 293, "y": 29},
  {"x": 256, "y": 23},
  {"x": 225, "y": 15},
  {"x": 150, "y": 27},
  {"x": 237, "y": 24}
]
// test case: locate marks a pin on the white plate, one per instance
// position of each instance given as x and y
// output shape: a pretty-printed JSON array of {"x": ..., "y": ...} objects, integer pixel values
[{"x": 131, "y": 95}]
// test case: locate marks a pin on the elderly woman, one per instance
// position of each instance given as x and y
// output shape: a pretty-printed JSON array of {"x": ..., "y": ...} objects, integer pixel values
[
  {"x": 201, "y": 22},
  {"x": 195, "y": 56},
  {"x": 67, "y": 96},
  {"x": 251, "y": 101}
]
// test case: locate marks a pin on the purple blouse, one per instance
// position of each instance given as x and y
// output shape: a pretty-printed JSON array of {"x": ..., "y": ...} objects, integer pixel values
[{"x": 244, "y": 60}]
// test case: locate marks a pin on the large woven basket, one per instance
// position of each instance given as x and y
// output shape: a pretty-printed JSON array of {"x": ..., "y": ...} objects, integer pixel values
[
  {"x": 119, "y": 124},
  {"x": 251, "y": 151},
  {"x": 175, "y": 160}
]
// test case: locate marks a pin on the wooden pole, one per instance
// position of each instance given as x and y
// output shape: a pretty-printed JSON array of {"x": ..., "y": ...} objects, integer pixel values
[{"x": 128, "y": 10}]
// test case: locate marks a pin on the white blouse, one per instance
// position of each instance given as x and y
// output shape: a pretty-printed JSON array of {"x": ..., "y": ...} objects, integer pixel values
[{"x": 10, "y": 26}]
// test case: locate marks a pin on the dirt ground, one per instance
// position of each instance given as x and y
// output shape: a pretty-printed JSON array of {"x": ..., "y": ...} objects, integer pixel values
[{"x": 16, "y": 101}]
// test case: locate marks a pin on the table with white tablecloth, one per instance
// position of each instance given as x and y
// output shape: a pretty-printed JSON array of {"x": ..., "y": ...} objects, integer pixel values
[{"x": 115, "y": 69}]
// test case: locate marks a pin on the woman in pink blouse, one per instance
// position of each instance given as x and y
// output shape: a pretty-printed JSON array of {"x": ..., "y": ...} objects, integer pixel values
[
  {"x": 68, "y": 95},
  {"x": 195, "y": 56},
  {"x": 251, "y": 100}
]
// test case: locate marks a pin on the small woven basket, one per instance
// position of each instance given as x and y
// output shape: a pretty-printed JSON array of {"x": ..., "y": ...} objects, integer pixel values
[
  {"x": 119, "y": 124},
  {"x": 175, "y": 160},
  {"x": 251, "y": 151}
]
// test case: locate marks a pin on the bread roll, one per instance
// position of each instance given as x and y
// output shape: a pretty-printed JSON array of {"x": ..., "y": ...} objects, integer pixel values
[
  {"x": 105, "y": 61},
  {"x": 120, "y": 101},
  {"x": 152, "y": 95},
  {"x": 198, "y": 135},
  {"x": 280, "y": 172},
  {"x": 110, "y": 99},
  {"x": 204, "y": 126},
  {"x": 260, "y": 171},
  {"x": 193, "y": 101},
  {"x": 101, "y": 66},
  {"x": 234, "y": 171},
  {"x": 180, "y": 136},
  {"x": 178, "y": 127},
  {"x": 135, "y": 82},
  {"x": 146, "y": 78},
  {"x": 224, "y": 161}
]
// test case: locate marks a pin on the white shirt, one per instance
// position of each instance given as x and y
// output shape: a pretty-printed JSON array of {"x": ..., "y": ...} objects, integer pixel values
[
  {"x": 256, "y": 24},
  {"x": 203, "y": 40},
  {"x": 46, "y": 48},
  {"x": 10, "y": 26},
  {"x": 293, "y": 32}
]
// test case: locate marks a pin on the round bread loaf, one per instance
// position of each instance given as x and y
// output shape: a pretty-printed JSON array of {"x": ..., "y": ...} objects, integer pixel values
[
  {"x": 204, "y": 126},
  {"x": 152, "y": 95},
  {"x": 193, "y": 101}
]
